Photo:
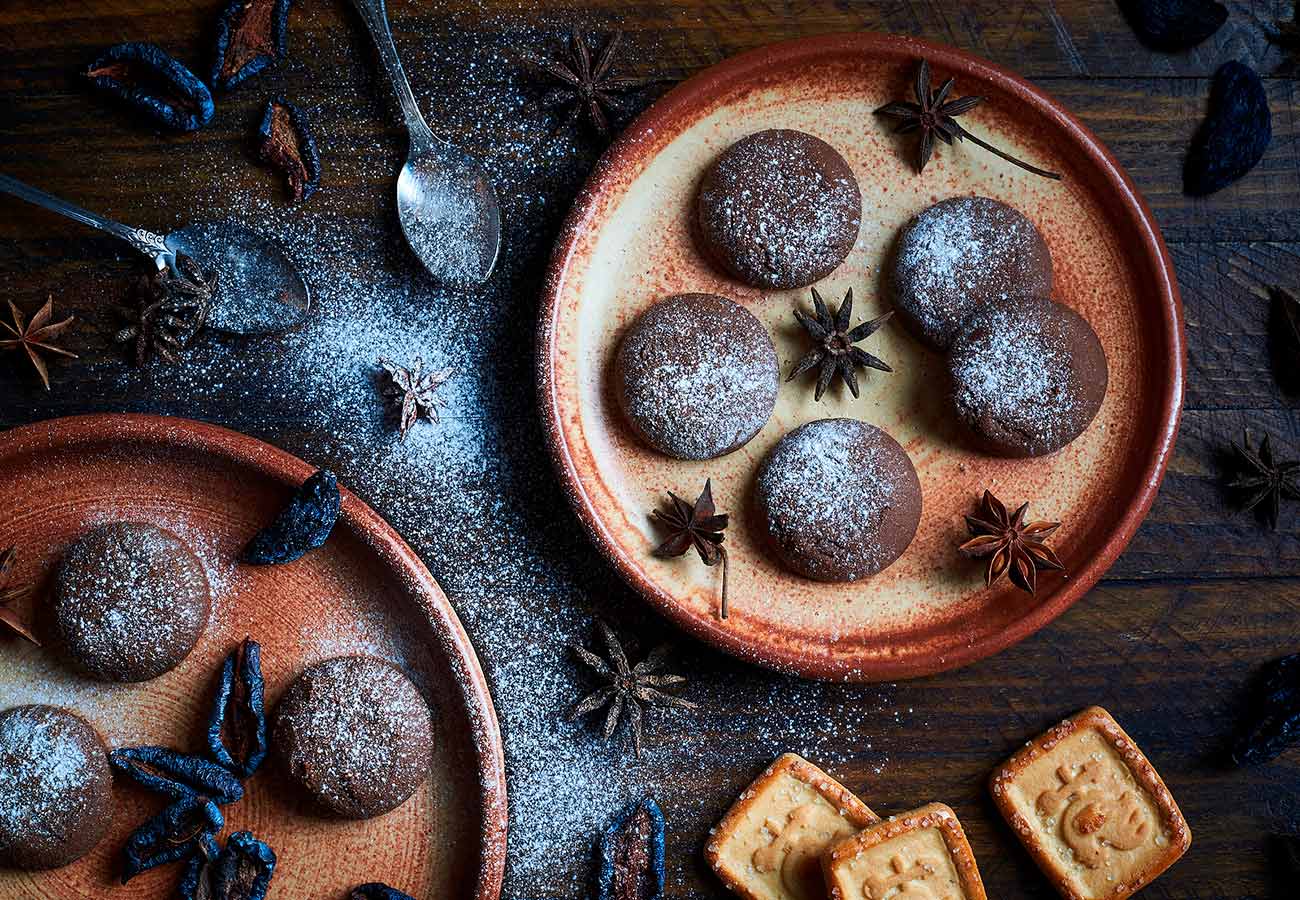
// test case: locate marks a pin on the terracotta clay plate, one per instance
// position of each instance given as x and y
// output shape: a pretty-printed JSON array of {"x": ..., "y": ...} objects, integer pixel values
[
  {"x": 628, "y": 243},
  {"x": 364, "y": 591}
]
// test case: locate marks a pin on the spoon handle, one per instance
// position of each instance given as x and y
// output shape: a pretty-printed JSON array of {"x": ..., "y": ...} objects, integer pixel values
[
  {"x": 148, "y": 243},
  {"x": 376, "y": 19}
]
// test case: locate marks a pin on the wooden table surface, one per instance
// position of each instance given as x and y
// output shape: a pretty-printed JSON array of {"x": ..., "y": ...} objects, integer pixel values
[{"x": 1202, "y": 596}]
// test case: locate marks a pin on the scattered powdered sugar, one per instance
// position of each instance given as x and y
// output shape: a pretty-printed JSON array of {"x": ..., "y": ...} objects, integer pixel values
[
  {"x": 131, "y": 600},
  {"x": 961, "y": 253},
  {"x": 698, "y": 375},
  {"x": 47, "y": 776},
  {"x": 826, "y": 487},
  {"x": 1012, "y": 372},
  {"x": 777, "y": 211}
]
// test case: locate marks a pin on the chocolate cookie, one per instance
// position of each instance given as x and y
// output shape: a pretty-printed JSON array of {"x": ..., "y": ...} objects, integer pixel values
[
  {"x": 839, "y": 499},
  {"x": 56, "y": 789},
  {"x": 696, "y": 376},
  {"x": 1027, "y": 377},
  {"x": 355, "y": 734},
  {"x": 962, "y": 255},
  {"x": 130, "y": 601},
  {"x": 779, "y": 209}
]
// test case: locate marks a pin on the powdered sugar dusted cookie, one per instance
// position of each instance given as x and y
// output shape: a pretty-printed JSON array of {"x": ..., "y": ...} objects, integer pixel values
[
  {"x": 769, "y": 844},
  {"x": 1090, "y": 809},
  {"x": 918, "y": 854}
]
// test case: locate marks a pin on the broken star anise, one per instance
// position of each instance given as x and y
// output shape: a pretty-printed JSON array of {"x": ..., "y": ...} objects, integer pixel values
[
  {"x": 585, "y": 84},
  {"x": 935, "y": 116},
  {"x": 35, "y": 337},
  {"x": 628, "y": 687},
  {"x": 416, "y": 391},
  {"x": 1264, "y": 478},
  {"x": 170, "y": 309},
  {"x": 835, "y": 352},
  {"x": 695, "y": 525},
  {"x": 1013, "y": 547},
  {"x": 10, "y": 594}
]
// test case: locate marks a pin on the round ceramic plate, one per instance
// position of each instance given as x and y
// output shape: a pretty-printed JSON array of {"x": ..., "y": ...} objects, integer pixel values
[
  {"x": 364, "y": 591},
  {"x": 628, "y": 243}
]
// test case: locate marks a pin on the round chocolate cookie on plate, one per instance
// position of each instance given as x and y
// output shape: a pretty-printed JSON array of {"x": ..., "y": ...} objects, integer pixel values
[
  {"x": 56, "y": 789},
  {"x": 960, "y": 256},
  {"x": 355, "y": 734},
  {"x": 130, "y": 601},
  {"x": 1027, "y": 377},
  {"x": 839, "y": 499},
  {"x": 779, "y": 209},
  {"x": 696, "y": 376}
]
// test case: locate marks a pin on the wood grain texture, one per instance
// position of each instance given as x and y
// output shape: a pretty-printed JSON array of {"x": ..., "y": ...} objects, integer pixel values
[{"x": 1202, "y": 596}]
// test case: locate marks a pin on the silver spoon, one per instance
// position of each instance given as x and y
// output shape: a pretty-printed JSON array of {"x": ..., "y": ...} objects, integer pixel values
[
  {"x": 259, "y": 290},
  {"x": 445, "y": 203}
]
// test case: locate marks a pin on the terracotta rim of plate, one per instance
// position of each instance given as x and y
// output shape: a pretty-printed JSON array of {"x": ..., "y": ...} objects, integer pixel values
[
  {"x": 1147, "y": 252},
  {"x": 282, "y": 466}
]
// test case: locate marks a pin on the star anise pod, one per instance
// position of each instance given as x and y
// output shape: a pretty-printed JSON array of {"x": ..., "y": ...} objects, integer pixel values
[
  {"x": 934, "y": 115},
  {"x": 1013, "y": 548},
  {"x": 835, "y": 352},
  {"x": 584, "y": 82},
  {"x": 1264, "y": 478},
  {"x": 416, "y": 391},
  {"x": 11, "y": 594},
  {"x": 171, "y": 308},
  {"x": 35, "y": 337},
  {"x": 629, "y": 688},
  {"x": 695, "y": 525}
]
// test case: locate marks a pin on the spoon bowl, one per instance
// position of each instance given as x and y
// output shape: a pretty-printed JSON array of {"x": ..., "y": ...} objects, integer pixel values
[{"x": 448, "y": 211}]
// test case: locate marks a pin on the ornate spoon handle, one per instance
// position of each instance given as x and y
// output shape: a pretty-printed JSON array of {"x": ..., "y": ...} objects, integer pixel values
[
  {"x": 148, "y": 243},
  {"x": 376, "y": 18}
]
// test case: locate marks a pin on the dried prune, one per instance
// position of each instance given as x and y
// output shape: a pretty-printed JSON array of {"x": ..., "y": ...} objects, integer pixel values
[
  {"x": 632, "y": 855},
  {"x": 237, "y": 722},
  {"x": 1173, "y": 25},
  {"x": 1272, "y": 720},
  {"x": 184, "y": 829},
  {"x": 301, "y": 526},
  {"x": 149, "y": 80},
  {"x": 241, "y": 871},
  {"x": 1234, "y": 135},
  {"x": 286, "y": 144},
  {"x": 252, "y": 35},
  {"x": 177, "y": 775},
  {"x": 376, "y": 891}
]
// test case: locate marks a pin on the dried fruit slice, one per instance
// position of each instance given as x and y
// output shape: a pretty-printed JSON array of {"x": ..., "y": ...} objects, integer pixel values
[
  {"x": 146, "y": 78},
  {"x": 632, "y": 855},
  {"x": 301, "y": 526},
  {"x": 237, "y": 722},
  {"x": 252, "y": 35},
  {"x": 184, "y": 830},
  {"x": 287, "y": 145},
  {"x": 1234, "y": 135},
  {"x": 241, "y": 871},
  {"x": 1172, "y": 25},
  {"x": 376, "y": 891},
  {"x": 177, "y": 775}
]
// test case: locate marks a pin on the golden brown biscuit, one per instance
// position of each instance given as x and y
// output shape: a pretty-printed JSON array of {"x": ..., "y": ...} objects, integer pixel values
[
  {"x": 918, "y": 855},
  {"x": 769, "y": 844},
  {"x": 1090, "y": 809}
]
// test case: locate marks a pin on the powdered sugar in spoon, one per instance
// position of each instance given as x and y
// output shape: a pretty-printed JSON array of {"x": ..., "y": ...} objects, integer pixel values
[
  {"x": 259, "y": 288},
  {"x": 446, "y": 205}
]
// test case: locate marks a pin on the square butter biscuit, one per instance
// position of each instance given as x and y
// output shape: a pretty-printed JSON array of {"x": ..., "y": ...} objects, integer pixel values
[
  {"x": 922, "y": 854},
  {"x": 770, "y": 843},
  {"x": 1090, "y": 809}
]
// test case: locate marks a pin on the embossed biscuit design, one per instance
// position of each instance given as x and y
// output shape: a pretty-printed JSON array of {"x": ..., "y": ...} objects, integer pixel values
[
  {"x": 769, "y": 844},
  {"x": 918, "y": 855},
  {"x": 1090, "y": 809}
]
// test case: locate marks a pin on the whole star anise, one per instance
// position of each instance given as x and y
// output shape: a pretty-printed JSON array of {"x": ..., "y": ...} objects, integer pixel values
[
  {"x": 1013, "y": 548},
  {"x": 35, "y": 337},
  {"x": 934, "y": 115},
  {"x": 10, "y": 594},
  {"x": 628, "y": 687},
  {"x": 585, "y": 83},
  {"x": 170, "y": 309},
  {"x": 835, "y": 352},
  {"x": 1264, "y": 478},
  {"x": 695, "y": 525},
  {"x": 416, "y": 391}
]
